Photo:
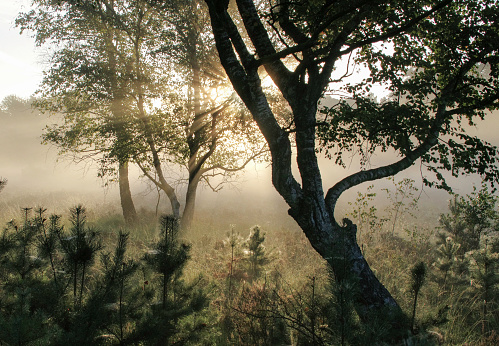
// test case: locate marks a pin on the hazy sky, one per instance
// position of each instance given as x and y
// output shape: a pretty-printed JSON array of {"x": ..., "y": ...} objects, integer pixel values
[{"x": 19, "y": 71}]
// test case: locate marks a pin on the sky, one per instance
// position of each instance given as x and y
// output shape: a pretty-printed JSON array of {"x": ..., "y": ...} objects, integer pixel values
[{"x": 20, "y": 61}]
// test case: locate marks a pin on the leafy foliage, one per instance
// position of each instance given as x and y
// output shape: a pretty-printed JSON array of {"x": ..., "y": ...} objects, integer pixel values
[
  {"x": 438, "y": 81},
  {"x": 366, "y": 215},
  {"x": 138, "y": 85},
  {"x": 404, "y": 192},
  {"x": 472, "y": 219}
]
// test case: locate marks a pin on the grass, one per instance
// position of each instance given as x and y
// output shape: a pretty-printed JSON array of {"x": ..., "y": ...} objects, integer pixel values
[{"x": 453, "y": 318}]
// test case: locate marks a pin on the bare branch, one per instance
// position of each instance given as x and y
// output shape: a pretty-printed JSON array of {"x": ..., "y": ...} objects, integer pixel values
[{"x": 239, "y": 168}]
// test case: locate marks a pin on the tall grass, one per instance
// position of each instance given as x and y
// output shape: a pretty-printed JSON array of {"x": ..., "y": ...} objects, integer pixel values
[{"x": 283, "y": 292}]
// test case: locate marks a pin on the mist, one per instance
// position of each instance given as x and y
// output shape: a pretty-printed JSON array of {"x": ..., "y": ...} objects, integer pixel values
[{"x": 38, "y": 175}]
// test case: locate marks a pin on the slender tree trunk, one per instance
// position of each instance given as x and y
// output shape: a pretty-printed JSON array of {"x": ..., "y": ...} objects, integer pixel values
[
  {"x": 194, "y": 137},
  {"x": 190, "y": 203},
  {"x": 117, "y": 110},
  {"x": 413, "y": 316},
  {"x": 127, "y": 206},
  {"x": 165, "y": 289},
  {"x": 148, "y": 131},
  {"x": 82, "y": 283},
  {"x": 75, "y": 286},
  {"x": 169, "y": 191}
]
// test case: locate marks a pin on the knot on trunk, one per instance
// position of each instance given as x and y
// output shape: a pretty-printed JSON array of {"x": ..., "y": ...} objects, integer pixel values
[{"x": 350, "y": 230}]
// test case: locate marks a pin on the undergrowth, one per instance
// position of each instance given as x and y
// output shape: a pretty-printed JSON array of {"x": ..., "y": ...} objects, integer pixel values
[{"x": 93, "y": 280}]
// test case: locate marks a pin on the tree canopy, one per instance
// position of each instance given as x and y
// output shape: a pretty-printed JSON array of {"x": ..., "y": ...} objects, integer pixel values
[
  {"x": 438, "y": 59},
  {"x": 138, "y": 85}
]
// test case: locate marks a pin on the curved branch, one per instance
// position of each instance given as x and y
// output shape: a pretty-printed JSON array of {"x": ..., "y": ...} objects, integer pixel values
[
  {"x": 385, "y": 171},
  {"x": 163, "y": 185},
  {"x": 147, "y": 174},
  {"x": 442, "y": 114}
]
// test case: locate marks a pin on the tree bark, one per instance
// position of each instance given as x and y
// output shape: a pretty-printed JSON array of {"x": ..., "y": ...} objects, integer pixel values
[
  {"x": 308, "y": 205},
  {"x": 196, "y": 137},
  {"x": 118, "y": 113},
  {"x": 127, "y": 205},
  {"x": 190, "y": 203},
  {"x": 193, "y": 133}
]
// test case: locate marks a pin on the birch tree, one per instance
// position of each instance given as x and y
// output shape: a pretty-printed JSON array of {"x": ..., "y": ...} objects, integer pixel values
[{"x": 439, "y": 60}]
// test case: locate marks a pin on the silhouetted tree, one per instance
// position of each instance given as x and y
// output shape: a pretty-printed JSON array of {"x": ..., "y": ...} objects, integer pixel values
[{"x": 437, "y": 58}]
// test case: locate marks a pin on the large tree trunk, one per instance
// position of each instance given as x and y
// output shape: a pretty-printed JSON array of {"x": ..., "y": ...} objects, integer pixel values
[
  {"x": 129, "y": 212},
  {"x": 337, "y": 244},
  {"x": 341, "y": 251}
]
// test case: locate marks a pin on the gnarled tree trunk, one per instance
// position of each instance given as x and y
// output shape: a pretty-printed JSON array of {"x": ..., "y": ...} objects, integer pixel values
[{"x": 313, "y": 212}]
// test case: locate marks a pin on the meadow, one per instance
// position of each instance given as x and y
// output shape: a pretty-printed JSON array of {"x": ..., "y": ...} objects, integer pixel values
[{"x": 242, "y": 278}]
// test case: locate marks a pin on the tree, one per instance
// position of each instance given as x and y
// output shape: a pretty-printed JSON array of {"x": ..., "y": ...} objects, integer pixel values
[
  {"x": 176, "y": 299},
  {"x": 257, "y": 255},
  {"x": 206, "y": 115},
  {"x": 438, "y": 59},
  {"x": 209, "y": 114},
  {"x": 418, "y": 276},
  {"x": 108, "y": 85},
  {"x": 471, "y": 218},
  {"x": 80, "y": 249},
  {"x": 484, "y": 279},
  {"x": 19, "y": 272},
  {"x": 447, "y": 260},
  {"x": 86, "y": 83},
  {"x": 110, "y": 302}
]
